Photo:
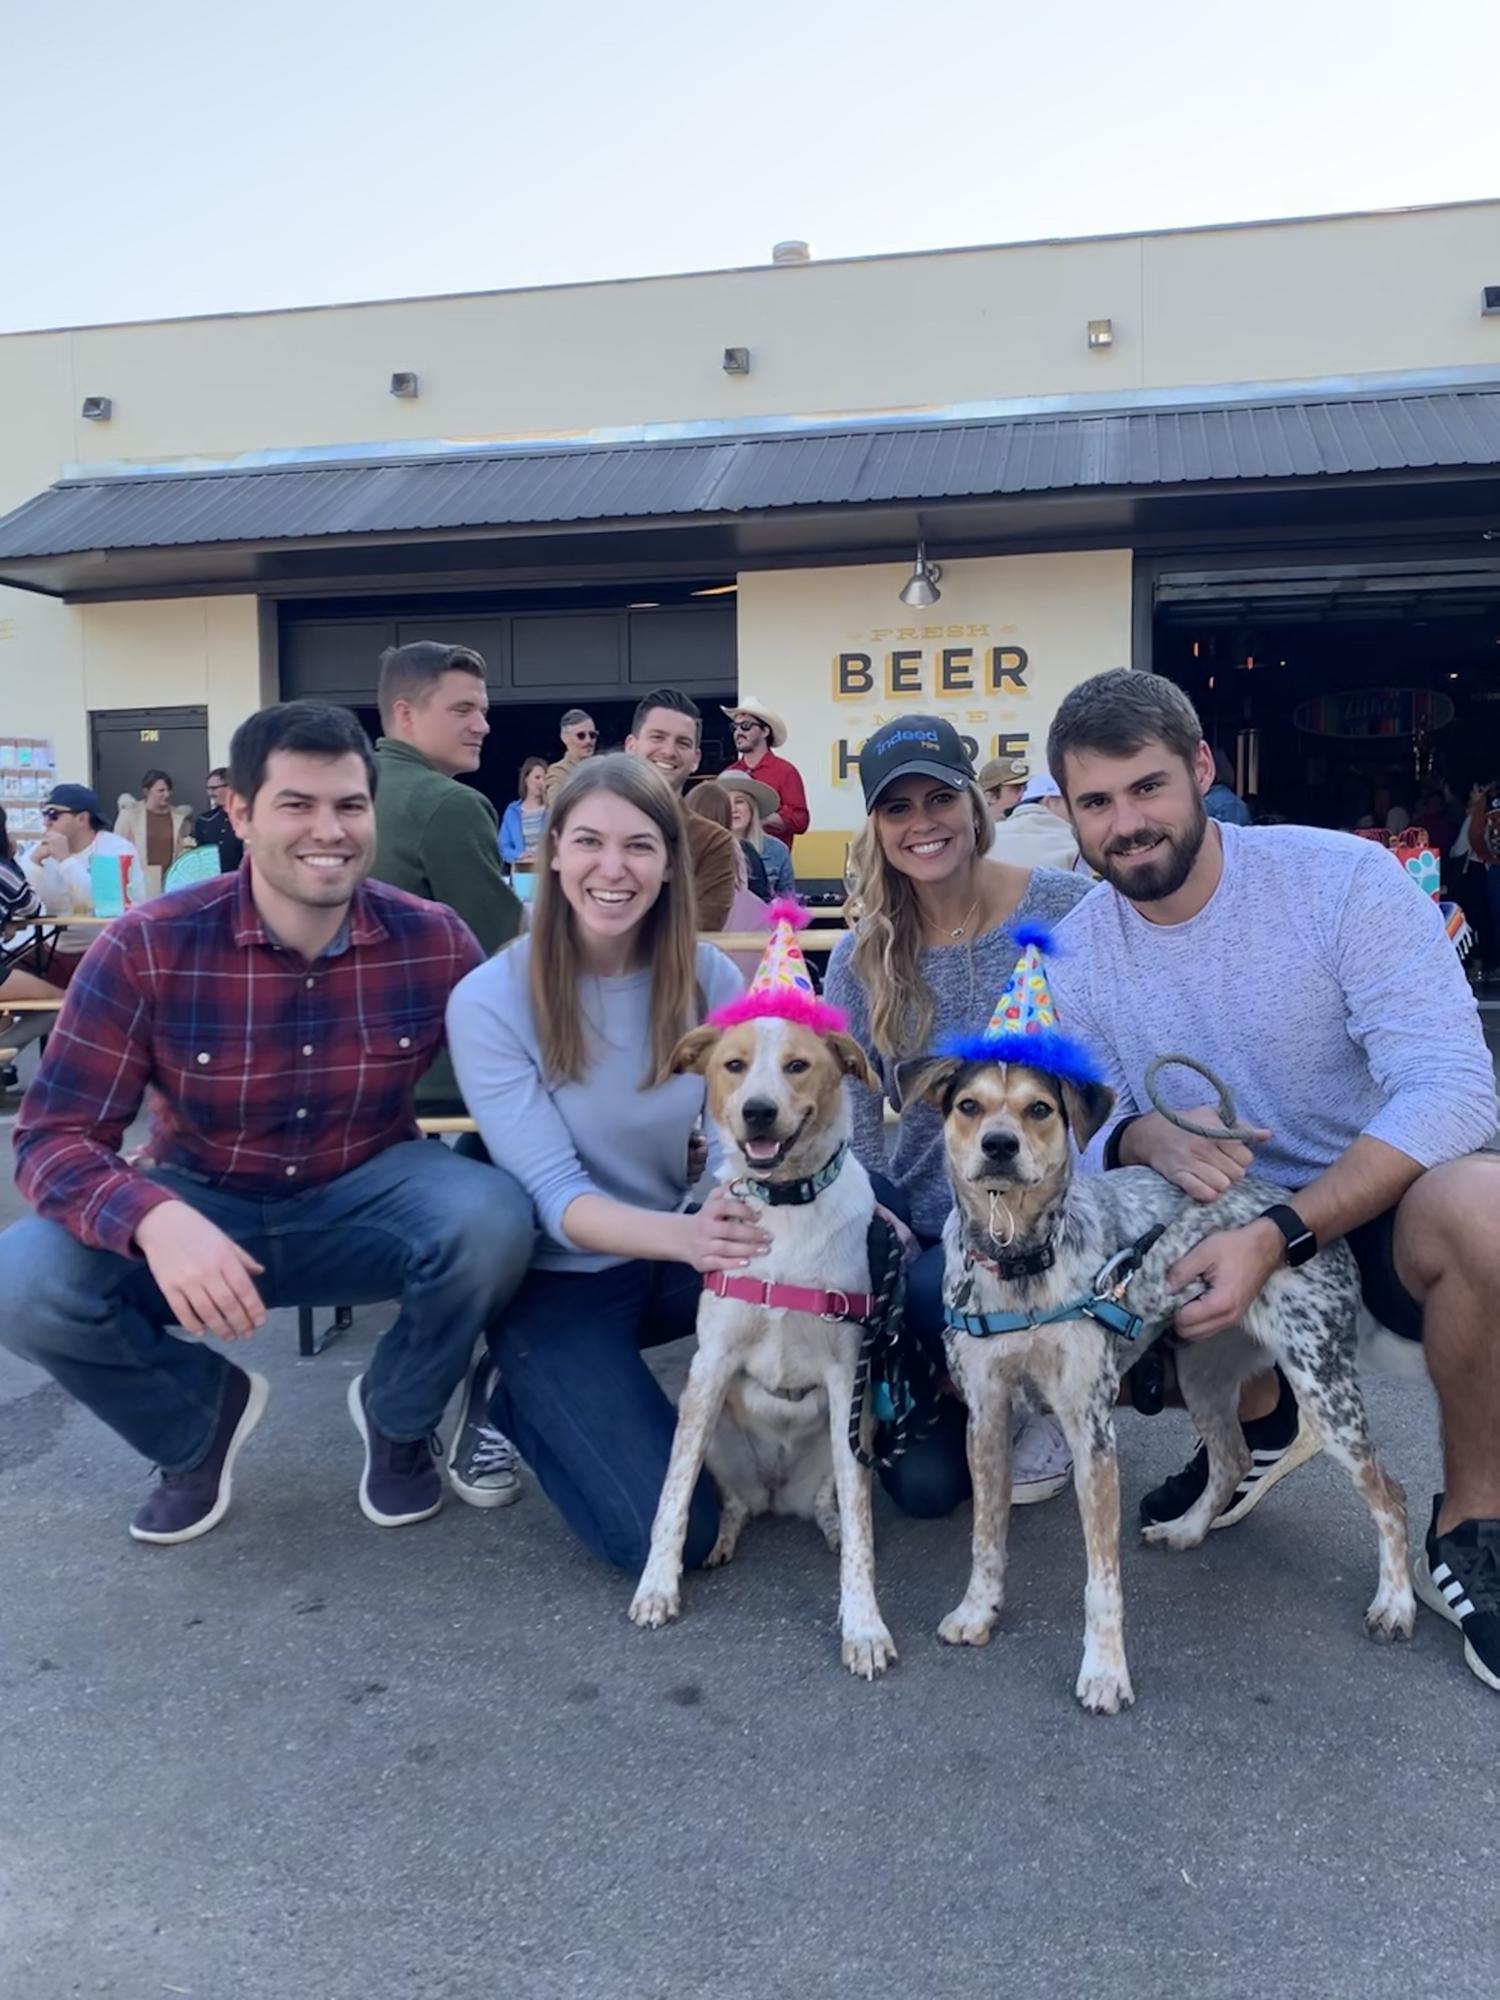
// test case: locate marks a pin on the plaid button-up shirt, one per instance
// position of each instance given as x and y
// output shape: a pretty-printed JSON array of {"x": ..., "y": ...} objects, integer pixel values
[{"x": 269, "y": 1072}]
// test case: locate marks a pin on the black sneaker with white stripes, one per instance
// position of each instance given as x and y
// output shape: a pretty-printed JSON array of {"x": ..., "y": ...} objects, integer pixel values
[
  {"x": 1278, "y": 1442},
  {"x": 1458, "y": 1576}
]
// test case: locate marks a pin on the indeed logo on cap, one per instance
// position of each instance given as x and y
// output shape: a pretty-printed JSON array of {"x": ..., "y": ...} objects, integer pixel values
[{"x": 926, "y": 737}]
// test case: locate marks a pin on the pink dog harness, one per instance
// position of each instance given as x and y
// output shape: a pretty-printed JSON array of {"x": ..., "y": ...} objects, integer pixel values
[{"x": 790, "y": 1298}]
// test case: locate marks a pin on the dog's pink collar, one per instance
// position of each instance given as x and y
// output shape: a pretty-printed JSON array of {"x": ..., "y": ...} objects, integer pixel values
[{"x": 790, "y": 1298}]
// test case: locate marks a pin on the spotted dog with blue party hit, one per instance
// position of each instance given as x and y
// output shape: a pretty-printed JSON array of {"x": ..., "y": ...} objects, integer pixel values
[{"x": 1058, "y": 1281}]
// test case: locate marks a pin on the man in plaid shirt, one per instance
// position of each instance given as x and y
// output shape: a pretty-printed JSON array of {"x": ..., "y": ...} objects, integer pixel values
[{"x": 280, "y": 1017}]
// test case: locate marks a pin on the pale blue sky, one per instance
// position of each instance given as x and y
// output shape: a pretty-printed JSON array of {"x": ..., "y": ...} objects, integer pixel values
[{"x": 178, "y": 156}]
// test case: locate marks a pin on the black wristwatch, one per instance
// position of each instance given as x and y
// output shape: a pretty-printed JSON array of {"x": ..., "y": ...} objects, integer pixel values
[{"x": 1301, "y": 1244}]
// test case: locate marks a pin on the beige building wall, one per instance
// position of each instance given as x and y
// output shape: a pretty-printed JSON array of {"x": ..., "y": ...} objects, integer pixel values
[
  {"x": 1262, "y": 303},
  {"x": 1271, "y": 302},
  {"x": 836, "y": 654}
]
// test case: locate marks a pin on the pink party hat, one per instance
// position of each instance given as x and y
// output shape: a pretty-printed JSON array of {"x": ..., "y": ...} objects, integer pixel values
[{"x": 782, "y": 988}]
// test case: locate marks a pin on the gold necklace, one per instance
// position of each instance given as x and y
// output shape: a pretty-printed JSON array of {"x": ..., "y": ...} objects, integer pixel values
[{"x": 958, "y": 930}]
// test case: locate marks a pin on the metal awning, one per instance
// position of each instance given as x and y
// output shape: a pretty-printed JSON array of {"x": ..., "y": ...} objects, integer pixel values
[{"x": 206, "y": 529}]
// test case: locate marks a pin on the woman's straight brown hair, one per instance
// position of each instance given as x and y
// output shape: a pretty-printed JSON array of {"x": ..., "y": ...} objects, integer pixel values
[{"x": 666, "y": 941}]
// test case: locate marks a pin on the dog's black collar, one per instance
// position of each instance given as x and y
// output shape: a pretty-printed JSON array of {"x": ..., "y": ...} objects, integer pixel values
[
  {"x": 791, "y": 1194},
  {"x": 1028, "y": 1264}
]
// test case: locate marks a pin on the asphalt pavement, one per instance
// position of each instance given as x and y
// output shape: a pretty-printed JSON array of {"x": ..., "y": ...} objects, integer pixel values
[{"x": 305, "y": 1759}]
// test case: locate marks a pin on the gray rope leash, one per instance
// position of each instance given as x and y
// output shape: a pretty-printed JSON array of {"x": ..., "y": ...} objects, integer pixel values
[{"x": 1231, "y": 1128}]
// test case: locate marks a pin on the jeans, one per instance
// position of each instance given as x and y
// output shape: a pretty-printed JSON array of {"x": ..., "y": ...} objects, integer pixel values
[
  {"x": 931, "y": 1477},
  {"x": 585, "y": 1411},
  {"x": 449, "y": 1238}
]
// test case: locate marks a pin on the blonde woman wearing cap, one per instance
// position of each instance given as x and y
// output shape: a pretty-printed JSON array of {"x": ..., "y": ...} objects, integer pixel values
[
  {"x": 759, "y": 733},
  {"x": 769, "y": 859},
  {"x": 931, "y": 949}
]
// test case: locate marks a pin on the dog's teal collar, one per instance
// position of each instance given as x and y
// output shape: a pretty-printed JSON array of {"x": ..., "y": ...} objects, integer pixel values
[
  {"x": 1105, "y": 1303},
  {"x": 791, "y": 1194}
]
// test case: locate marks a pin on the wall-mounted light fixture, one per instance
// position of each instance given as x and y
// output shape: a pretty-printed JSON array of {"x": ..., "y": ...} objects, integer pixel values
[
  {"x": 921, "y": 587},
  {"x": 404, "y": 384},
  {"x": 736, "y": 361},
  {"x": 1489, "y": 302},
  {"x": 98, "y": 409},
  {"x": 1101, "y": 333}
]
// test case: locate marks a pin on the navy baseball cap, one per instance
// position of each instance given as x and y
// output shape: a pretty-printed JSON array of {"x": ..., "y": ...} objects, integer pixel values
[
  {"x": 74, "y": 799},
  {"x": 921, "y": 744}
]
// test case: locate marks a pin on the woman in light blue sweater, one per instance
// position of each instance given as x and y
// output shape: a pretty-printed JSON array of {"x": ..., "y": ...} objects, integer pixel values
[
  {"x": 931, "y": 949},
  {"x": 563, "y": 1045}
]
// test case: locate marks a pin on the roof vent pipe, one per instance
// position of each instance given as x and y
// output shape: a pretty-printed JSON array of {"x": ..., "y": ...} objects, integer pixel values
[{"x": 794, "y": 251}]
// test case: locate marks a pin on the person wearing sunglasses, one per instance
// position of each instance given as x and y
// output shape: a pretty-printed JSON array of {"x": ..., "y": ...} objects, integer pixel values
[
  {"x": 758, "y": 735},
  {"x": 580, "y": 739},
  {"x": 57, "y": 867}
]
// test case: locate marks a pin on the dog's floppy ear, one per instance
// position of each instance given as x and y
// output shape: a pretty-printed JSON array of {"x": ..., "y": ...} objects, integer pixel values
[
  {"x": 926, "y": 1079},
  {"x": 691, "y": 1051},
  {"x": 852, "y": 1060},
  {"x": 1087, "y": 1105}
]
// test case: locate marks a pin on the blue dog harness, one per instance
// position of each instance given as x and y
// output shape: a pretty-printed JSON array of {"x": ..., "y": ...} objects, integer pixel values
[{"x": 1105, "y": 1303}]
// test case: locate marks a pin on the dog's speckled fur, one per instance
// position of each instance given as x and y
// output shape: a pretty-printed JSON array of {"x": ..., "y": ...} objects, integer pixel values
[{"x": 1305, "y": 1320}]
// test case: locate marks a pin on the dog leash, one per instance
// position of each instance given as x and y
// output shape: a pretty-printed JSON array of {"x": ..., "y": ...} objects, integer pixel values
[
  {"x": 1105, "y": 1303},
  {"x": 1231, "y": 1127},
  {"x": 888, "y": 1356}
]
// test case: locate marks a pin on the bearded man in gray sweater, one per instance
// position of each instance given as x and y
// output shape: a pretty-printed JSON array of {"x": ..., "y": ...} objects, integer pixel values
[{"x": 1314, "y": 976}]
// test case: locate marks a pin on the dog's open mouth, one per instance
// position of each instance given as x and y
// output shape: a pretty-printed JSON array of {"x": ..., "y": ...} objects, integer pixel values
[{"x": 765, "y": 1155}]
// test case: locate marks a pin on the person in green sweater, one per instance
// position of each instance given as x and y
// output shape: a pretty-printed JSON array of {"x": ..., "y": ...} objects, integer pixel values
[
  {"x": 433, "y": 836},
  {"x": 439, "y": 839}
]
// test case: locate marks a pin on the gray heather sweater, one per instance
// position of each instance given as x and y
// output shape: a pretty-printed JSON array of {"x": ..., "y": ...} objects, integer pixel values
[
  {"x": 602, "y": 1135},
  {"x": 1317, "y": 982},
  {"x": 966, "y": 981}
]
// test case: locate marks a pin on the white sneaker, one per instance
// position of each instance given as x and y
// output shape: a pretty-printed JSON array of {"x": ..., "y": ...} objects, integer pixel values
[
  {"x": 1040, "y": 1463},
  {"x": 482, "y": 1462}
]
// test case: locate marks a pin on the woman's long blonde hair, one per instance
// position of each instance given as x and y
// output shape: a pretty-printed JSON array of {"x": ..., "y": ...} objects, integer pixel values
[
  {"x": 667, "y": 940},
  {"x": 883, "y": 912}
]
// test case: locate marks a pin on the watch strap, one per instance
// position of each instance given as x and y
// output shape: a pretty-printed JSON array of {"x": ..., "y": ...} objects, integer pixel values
[{"x": 1301, "y": 1243}]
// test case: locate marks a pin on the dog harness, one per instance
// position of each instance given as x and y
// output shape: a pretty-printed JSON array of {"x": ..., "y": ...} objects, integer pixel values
[
  {"x": 791, "y": 1194},
  {"x": 1105, "y": 1303},
  {"x": 790, "y": 1298}
]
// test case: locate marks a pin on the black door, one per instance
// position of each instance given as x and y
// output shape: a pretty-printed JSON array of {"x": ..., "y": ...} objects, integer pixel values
[{"x": 128, "y": 742}]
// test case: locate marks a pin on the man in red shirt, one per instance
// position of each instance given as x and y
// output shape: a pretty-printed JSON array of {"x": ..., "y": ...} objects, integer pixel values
[
  {"x": 280, "y": 1017},
  {"x": 758, "y": 734}
]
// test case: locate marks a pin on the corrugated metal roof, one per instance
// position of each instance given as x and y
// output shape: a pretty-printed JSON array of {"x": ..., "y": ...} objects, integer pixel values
[{"x": 847, "y": 467}]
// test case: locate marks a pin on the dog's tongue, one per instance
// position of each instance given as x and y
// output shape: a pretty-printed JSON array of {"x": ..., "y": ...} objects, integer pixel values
[{"x": 761, "y": 1150}]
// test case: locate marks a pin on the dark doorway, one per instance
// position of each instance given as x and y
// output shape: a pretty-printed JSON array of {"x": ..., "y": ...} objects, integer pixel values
[
  {"x": 128, "y": 742},
  {"x": 1345, "y": 698}
]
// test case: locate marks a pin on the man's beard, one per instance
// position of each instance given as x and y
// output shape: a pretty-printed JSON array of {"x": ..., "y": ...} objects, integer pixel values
[{"x": 1153, "y": 881}]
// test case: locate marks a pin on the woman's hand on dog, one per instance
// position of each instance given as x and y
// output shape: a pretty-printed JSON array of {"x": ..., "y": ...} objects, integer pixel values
[
  {"x": 723, "y": 1235},
  {"x": 1203, "y": 1168}
]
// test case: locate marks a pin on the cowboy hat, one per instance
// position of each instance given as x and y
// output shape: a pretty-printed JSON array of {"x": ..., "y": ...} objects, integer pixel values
[
  {"x": 768, "y": 716},
  {"x": 766, "y": 800}
]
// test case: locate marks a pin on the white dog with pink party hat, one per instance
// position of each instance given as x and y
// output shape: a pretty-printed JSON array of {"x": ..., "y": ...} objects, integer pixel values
[{"x": 768, "y": 1399}]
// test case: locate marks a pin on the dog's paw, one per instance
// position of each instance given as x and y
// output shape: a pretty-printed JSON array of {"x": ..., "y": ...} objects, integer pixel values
[
  {"x": 722, "y": 1550},
  {"x": 654, "y": 1606},
  {"x": 1175, "y": 1535},
  {"x": 1391, "y": 1616},
  {"x": 1104, "y": 1690},
  {"x": 970, "y": 1625},
  {"x": 868, "y": 1651},
  {"x": 833, "y": 1535}
]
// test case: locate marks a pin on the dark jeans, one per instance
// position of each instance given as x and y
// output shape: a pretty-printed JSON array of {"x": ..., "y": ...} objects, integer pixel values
[
  {"x": 450, "y": 1239},
  {"x": 931, "y": 1478},
  {"x": 585, "y": 1411}
]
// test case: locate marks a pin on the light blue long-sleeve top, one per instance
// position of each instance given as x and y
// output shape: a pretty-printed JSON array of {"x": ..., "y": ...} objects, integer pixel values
[
  {"x": 601, "y": 1135},
  {"x": 1318, "y": 982}
]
